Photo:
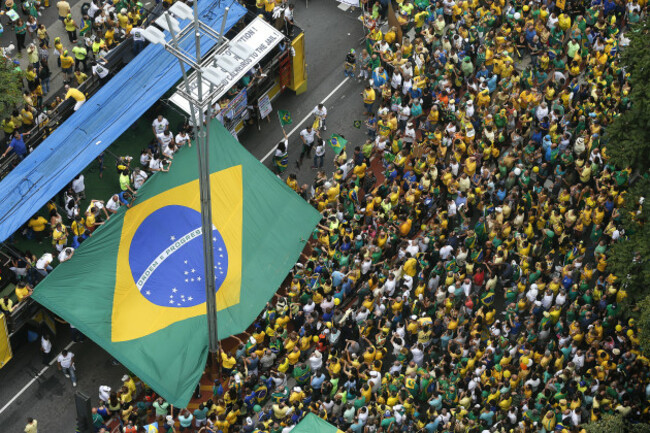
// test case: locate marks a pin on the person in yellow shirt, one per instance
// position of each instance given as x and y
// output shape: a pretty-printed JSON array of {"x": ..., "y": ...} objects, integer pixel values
[
  {"x": 269, "y": 5},
  {"x": 71, "y": 28},
  {"x": 67, "y": 62},
  {"x": 129, "y": 383},
  {"x": 80, "y": 77},
  {"x": 368, "y": 99},
  {"x": 75, "y": 94},
  {"x": 227, "y": 362},
  {"x": 23, "y": 290}
]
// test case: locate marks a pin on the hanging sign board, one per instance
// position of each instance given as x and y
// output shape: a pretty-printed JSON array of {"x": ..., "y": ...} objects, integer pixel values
[
  {"x": 231, "y": 62},
  {"x": 264, "y": 105}
]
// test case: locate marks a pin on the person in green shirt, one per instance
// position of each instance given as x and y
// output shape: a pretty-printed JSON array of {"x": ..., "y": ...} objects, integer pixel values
[
  {"x": 80, "y": 56},
  {"x": 21, "y": 33}
]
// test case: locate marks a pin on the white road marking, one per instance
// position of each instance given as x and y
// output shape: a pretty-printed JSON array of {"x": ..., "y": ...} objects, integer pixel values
[
  {"x": 306, "y": 117},
  {"x": 40, "y": 373}
]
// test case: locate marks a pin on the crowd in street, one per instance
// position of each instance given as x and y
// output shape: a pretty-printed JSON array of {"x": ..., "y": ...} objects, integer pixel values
[
  {"x": 464, "y": 286},
  {"x": 459, "y": 280},
  {"x": 91, "y": 32}
]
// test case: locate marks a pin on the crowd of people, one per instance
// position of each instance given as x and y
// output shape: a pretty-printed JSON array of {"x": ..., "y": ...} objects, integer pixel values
[
  {"x": 91, "y": 34},
  {"x": 68, "y": 224},
  {"x": 464, "y": 286},
  {"x": 459, "y": 279}
]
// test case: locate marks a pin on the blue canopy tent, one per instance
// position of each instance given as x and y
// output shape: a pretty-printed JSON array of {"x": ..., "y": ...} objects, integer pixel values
[{"x": 99, "y": 122}]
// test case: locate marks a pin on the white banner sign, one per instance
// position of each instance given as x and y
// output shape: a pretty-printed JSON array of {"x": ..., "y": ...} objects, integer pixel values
[
  {"x": 354, "y": 3},
  {"x": 233, "y": 60},
  {"x": 264, "y": 105}
]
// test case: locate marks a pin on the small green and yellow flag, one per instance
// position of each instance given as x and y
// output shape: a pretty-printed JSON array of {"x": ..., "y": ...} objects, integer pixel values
[
  {"x": 285, "y": 117},
  {"x": 357, "y": 124},
  {"x": 338, "y": 143}
]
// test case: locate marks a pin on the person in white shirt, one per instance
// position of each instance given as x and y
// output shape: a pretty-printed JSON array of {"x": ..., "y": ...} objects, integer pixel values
[
  {"x": 43, "y": 264},
  {"x": 65, "y": 361},
  {"x": 138, "y": 39},
  {"x": 316, "y": 360},
  {"x": 418, "y": 354},
  {"x": 66, "y": 254},
  {"x": 321, "y": 113},
  {"x": 319, "y": 154},
  {"x": 288, "y": 19},
  {"x": 165, "y": 138},
  {"x": 104, "y": 393},
  {"x": 100, "y": 70},
  {"x": 307, "y": 135},
  {"x": 159, "y": 125},
  {"x": 156, "y": 164},
  {"x": 138, "y": 178},
  {"x": 113, "y": 204},
  {"x": 46, "y": 348},
  {"x": 183, "y": 138},
  {"x": 446, "y": 251},
  {"x": 79, "y": 186}
]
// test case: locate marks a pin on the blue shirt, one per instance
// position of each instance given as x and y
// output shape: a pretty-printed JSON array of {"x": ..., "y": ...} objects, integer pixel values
[
  {"x": 123, "y": 198},
  {"x": 317, "y": 381},
  {"x": 337, "y": 278},
  {"x": 18, "y": 145}
]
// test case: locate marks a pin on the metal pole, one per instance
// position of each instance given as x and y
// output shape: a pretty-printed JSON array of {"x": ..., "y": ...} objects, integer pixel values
[
  {"x": 223, "y": 26},
  {"x": 206, "y": 206}
]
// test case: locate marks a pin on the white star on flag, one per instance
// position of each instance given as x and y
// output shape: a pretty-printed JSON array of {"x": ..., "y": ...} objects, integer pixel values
[{"x": 173, "y": 238}]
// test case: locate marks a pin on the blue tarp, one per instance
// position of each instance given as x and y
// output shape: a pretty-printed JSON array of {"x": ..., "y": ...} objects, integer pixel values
[{"x": 99, "y": 122}]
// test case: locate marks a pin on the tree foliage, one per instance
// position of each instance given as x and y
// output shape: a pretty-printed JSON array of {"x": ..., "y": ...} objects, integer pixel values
[
  {"x": 615, "y": 423},
  {"x": 11, "y": 87},
  {"x": 630, "y": 257},
  {"x": 628, "y": 137}
]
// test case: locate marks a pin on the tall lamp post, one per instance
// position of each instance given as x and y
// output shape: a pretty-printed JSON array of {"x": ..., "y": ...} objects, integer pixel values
[{"x": 200, "y": 103}]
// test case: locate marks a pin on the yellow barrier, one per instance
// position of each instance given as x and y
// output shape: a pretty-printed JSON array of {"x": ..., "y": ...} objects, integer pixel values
[
  {"x": 5, "y": 345},
  {"x": 298, "y": 72}
]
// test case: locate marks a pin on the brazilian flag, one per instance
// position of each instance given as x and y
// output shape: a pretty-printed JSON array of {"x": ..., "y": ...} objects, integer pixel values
[
  {"x": 337, "y": 142},
  {"x": 285, "y": 117},
  {"x": 137, "y": 286}
]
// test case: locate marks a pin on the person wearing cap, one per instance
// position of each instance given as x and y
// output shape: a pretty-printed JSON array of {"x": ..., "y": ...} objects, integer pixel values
[
  {"x": 67, "y": 63},
  {"x": 71, "y": 28}
]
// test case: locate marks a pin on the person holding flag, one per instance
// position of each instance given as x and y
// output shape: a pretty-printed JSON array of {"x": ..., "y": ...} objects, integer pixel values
[
  {"x": 281, "y": 155},
  {"x": 320, "y": 114}
]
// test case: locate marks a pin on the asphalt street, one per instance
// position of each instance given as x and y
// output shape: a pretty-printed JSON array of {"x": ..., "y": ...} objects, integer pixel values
[{"x": 329, "y": 33}]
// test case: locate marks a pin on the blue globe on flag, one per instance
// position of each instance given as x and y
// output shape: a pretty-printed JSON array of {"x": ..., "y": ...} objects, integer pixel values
[{"x": 166, "y": 257}]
